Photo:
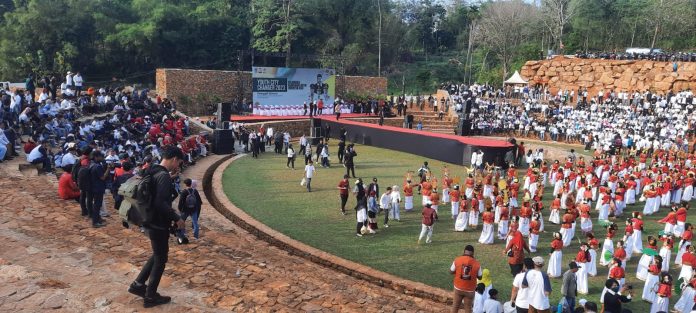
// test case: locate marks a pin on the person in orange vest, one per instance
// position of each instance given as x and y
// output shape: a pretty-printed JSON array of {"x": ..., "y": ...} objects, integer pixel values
[{"x": 466, "y": 270}]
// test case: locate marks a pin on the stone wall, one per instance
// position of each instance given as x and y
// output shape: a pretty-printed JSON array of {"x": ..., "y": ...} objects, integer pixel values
[
  {"x": 193, "y": 89},
  {"x": 618, "y": 75}
]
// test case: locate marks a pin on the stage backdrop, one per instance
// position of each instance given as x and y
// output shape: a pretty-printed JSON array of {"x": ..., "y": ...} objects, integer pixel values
[{"x": 282, "y": 86}]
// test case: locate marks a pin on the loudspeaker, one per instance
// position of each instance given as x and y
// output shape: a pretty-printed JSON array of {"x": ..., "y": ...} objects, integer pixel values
[
  {"x": 465, "y": 127},
  {"x": 224, "y": 111},
  {"x": 223, "y": 141}
]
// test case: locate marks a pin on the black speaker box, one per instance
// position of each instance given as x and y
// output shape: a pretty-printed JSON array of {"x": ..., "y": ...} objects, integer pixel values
[{"x": 223, "y": 141}]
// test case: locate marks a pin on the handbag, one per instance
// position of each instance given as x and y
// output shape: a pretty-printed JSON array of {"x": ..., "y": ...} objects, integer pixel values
[{"x": 303, "y": 181}]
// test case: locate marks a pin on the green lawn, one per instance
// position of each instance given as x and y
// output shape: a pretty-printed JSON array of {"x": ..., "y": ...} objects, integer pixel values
[{"x": 271, "y": 193}]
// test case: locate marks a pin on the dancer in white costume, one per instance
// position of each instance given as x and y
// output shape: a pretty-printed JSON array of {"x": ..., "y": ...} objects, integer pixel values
[
  {"x": 686, "y": 301},
  {"x": 684, "y": 242},
  {"x": 664, "y": 292},
  {"x": 583, "y": 259},
  {"x": 556, "y": 256},
  {"x": 608, "y": 246},
  {"x": 637, "y": 238},
  {"x": 653, "y": 279}
]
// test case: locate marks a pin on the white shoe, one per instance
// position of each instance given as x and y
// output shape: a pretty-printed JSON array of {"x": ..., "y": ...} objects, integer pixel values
[{"x": 386, "y": 226}]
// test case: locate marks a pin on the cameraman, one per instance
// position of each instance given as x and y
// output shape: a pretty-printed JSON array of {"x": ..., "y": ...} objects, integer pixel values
[{"x": 158, "y": 229}]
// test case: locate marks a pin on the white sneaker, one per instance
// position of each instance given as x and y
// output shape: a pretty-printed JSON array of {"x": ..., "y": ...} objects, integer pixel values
[
  {"x": 386, "y": 226},
  {"x": 359, "y": 235}
]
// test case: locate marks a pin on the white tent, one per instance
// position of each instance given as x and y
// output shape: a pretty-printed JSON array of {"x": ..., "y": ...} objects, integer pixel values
[{"x": 516, "y": 79}]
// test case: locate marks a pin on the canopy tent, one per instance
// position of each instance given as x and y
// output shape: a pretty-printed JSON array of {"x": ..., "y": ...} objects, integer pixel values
[{"x": 516, "y": 79}]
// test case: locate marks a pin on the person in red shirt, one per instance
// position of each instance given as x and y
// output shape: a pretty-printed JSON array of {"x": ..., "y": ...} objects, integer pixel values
[
  {"x": 343, "y": 187},
  {"x": 454, "y": 200},
  {"x": 474, "y": 211},
  {"x": 566, "y": 227},
  {"x": 684, "y": 242},
  {"x": 664, "y": 292},
  {"x": 583, "y": 259},
  {"x": 429, "y": 216},
  {"x": 67, "y": 188},
  {"x": 652, "y": 281},
  {"x": 556, "y": 256},
  {"x": 534, "y": 227},
  {"x": 434, "y": 199},
  {"x": 514, "y": 250},
  {"x": 620, "y": 253},
  {"x": 681, "y": 218},
  {"x": 670, "y": 221}
]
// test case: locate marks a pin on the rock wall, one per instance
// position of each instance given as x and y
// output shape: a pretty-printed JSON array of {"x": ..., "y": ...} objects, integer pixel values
[
  {"x": 619, "y": 75},
  {"x": 194, "y": 89}
]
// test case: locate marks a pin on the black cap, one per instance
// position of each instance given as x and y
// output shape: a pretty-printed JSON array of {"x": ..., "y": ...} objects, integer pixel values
[{"x": 573, "y": 265}]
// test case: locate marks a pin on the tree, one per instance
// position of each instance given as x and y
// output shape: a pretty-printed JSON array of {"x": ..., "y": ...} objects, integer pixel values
[
  {"x": 275, "y": 26},
  {"x": 557, "y": 14},
  {"x": 503, "y": 26}
]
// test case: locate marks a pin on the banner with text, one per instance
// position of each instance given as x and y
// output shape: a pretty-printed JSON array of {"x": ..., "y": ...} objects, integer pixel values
[{"x": 282, "y": 86}]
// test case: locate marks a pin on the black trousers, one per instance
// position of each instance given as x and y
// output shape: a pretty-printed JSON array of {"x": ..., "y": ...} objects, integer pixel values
[
  {"x": 344, "y": 200},
  {"x": 515, "y": 269},
  {"x": 154, "y": 267},
  {"x": 291, "y": 161},
  {"x": 84, "y": 195},
  {"x": 350, "y": 168}
]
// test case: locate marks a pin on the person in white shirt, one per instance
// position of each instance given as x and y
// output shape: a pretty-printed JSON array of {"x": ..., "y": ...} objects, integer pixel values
[
  {"x": 519, "y": 295},
  {"x": 69, "y": 157},
  {"x": 291, "y": 157},
  {"x": 385, "y": 203},
  {"x": 303, "y": 144},
  {"x": 309, "y": 174},
  {"x": 477, "y": 160},
  {"x": 396, "y": 200},
  {"x": 492, "y": 305},
  {"x": 77, "y": 79},
  {"x": 538, "y": 293},
  {"x": 69, "y": 80}
]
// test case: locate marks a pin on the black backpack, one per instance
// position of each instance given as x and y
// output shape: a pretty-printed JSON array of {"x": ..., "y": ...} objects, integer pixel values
[
  {"x": 76, "y": 170},
  {"x": 191, "y": 200},
  {"x": 84, "y": 177}
]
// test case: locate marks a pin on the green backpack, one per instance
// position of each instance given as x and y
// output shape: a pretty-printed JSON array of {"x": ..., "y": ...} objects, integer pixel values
[{"x": 137, "y": 194}]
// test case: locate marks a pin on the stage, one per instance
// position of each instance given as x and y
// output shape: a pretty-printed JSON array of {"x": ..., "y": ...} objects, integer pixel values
[{"x": 442, "y": 147}]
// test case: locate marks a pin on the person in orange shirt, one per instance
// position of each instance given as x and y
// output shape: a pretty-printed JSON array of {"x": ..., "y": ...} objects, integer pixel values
[
  {"x": 67, "y": 188},
  {"x": 620, "y": 253},
  {"x": 652, "y": 280},
  {"x": 670, "y": 221},
  {"x": 487, "y": 231},
  {"x": 685, "y": 241},
  {"x": 408, "y": 195},
  {"x": 566, "y": 227},
  {"x": 466, "y": 270},
  {"x": 434, "y": 199},
  {"x": 426, "y": 189},
  {"x": 681, "y": 218},
  {"x": 454, "y": 200}
]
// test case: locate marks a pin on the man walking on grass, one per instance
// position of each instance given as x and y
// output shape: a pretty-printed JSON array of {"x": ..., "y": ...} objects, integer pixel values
[{"x": 427, "y": 223}]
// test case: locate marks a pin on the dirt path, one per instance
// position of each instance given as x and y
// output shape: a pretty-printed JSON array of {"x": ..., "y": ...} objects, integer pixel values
[{"x": 52, "y": 260}]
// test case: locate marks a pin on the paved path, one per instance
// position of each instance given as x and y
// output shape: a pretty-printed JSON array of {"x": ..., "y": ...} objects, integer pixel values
[{"x": 52, "y": 260}]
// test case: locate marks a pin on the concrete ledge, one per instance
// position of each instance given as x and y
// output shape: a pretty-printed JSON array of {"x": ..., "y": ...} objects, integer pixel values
[{"x": 214, "y": 192}]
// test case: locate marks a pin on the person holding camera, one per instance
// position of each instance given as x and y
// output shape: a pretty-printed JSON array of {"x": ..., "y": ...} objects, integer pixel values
[
  {"x": 158, "y": 229},
  {"x": 615, "y": 296}
]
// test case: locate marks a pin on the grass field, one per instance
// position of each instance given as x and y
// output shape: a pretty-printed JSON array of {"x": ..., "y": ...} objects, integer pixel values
[{"x": 271, "y": 193}]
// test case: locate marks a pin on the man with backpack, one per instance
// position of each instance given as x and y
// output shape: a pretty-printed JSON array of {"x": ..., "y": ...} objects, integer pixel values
[
  {"x": 190, "y": 205},
  {"x": 159, "y": 218}
]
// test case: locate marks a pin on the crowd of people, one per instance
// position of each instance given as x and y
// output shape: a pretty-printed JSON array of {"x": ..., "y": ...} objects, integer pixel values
[
  {"x": 96, "y": 140},
  {"x": 656, "y": 55}
]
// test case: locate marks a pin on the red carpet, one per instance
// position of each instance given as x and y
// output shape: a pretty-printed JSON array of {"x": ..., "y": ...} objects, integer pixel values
[{"x": 263, "y": 118}]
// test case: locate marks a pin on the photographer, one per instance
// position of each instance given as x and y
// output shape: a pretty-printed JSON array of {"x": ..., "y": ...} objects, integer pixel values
[
  {"x": 163, "y": 216},
  {"x": 614, "y": 297}
]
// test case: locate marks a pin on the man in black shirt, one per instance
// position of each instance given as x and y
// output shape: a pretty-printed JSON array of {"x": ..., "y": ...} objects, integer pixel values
[
  {"x": 97, "y": 184},
  {"x": 158, "y": 228},
  {"x": 348, "y": 159},
  {"x": 613, "y": 298}
]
